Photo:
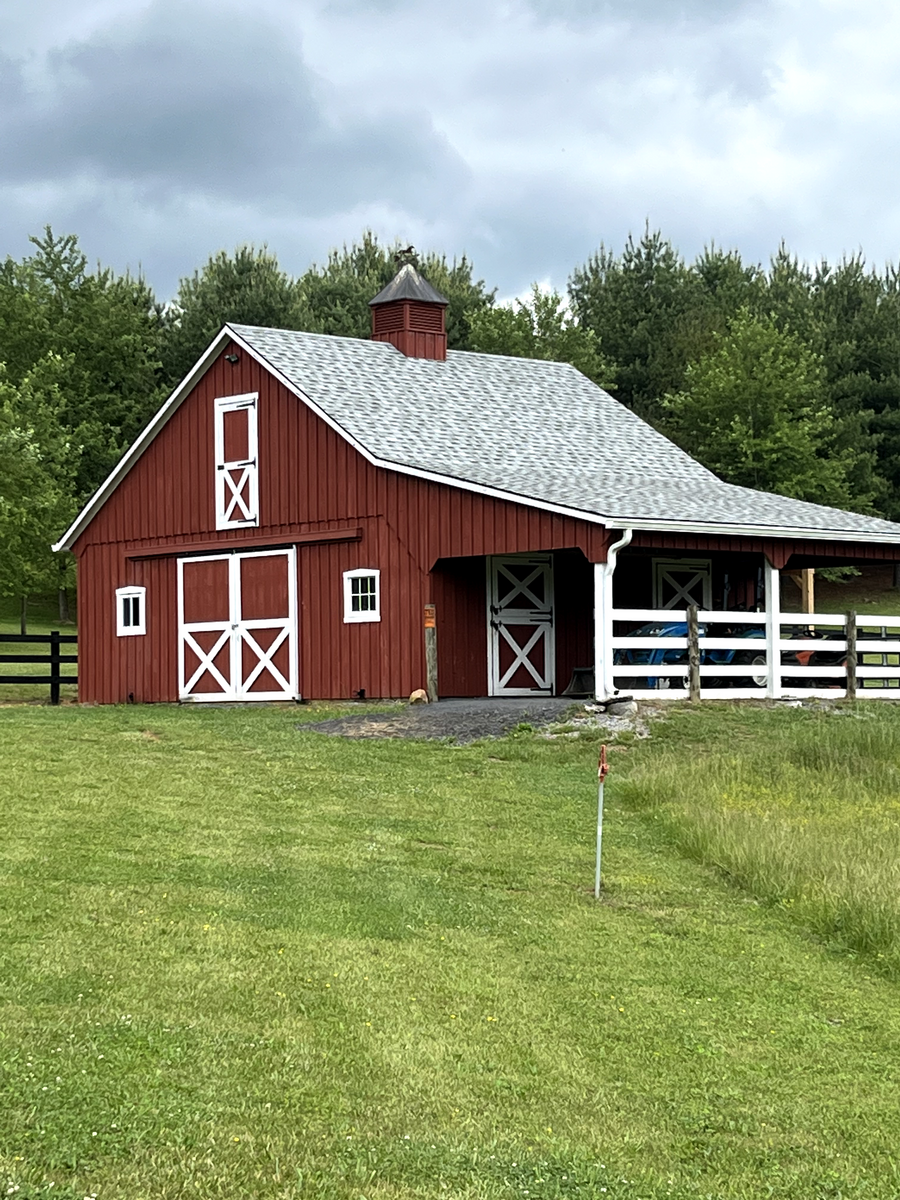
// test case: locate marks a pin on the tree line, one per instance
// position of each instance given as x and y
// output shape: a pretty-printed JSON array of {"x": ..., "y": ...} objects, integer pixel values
[{"x": 784, "y": 377}]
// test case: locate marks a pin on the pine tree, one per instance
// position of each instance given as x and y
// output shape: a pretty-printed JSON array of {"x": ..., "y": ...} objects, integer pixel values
[{"x": 540, "y": 328}]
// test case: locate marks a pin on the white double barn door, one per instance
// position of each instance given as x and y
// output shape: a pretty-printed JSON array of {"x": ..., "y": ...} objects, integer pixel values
[
  {"x": 237, "y": 626},
  {"x": 521, "y": 643}
]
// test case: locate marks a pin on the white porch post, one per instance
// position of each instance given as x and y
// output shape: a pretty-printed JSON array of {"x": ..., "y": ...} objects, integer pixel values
[
  {"x": 603, "y": 621},
  {"x": 773, "y": 629},
  {"x": 602, "y": 632}
]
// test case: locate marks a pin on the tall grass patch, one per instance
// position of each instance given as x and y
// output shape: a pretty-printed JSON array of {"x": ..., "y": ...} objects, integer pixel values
[{"x": 800, "y": 807}]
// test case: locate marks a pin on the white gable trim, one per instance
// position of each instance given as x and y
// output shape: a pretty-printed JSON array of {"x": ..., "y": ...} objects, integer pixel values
[
  {"x": 609, "y": 521},
  {"x": 140, "y": 444},
  {"x": 606, "y": 520},
  {"x": 171, "y": 406}
]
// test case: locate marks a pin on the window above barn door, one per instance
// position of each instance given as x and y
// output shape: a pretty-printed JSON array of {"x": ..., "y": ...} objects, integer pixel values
[{"x": 237, "y": 466}]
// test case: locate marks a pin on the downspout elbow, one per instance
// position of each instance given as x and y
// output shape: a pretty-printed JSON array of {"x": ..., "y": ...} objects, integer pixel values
[{"x": 613, "y": 552}]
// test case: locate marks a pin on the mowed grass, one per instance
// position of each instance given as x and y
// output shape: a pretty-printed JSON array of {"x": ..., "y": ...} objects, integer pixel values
[
  {"x": 872, "y": 592},
  {"x": 802, "y": 808},
  {"x": 42, "y": 617},
  {"x": 240, "y": 960}
]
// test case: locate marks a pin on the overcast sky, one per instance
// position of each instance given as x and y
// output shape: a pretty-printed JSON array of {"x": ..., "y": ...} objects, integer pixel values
[{"x": 523, "y": 133}]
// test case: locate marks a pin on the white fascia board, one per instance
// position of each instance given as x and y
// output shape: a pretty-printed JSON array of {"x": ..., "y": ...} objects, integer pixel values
[
  {"x": 605, "y": 520},
  {"x": 402, "y": 468},
  {"x": 776, "y": 531},
  {"x": 140, "y": 444}
]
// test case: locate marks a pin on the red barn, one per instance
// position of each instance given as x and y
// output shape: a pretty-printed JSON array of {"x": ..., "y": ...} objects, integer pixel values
[{"x": 278, "y": 528}]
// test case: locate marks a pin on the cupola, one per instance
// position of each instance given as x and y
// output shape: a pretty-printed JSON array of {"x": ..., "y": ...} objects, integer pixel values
[{"x": 410, "y": 314}]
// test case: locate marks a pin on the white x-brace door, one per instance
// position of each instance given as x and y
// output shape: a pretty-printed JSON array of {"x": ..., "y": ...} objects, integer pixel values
[
  {"x": 237, "y": 626},
  {"x": 679, "y": 583},
  {"x": 521, "y": 644}
]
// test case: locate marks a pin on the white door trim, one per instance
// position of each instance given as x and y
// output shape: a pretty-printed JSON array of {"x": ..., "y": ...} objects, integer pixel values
[
  {"x": 238, "y": 633},
  {"x": 531, "y": 612}
]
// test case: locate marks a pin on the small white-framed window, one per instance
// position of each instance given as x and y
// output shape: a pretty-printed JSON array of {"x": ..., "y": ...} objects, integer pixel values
[
  {"x": 131, "y": 611},
  {"x": 362, "y": 595}
]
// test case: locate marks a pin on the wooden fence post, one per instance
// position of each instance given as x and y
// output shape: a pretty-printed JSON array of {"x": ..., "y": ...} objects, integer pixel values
[
  {"x": 851, "y": 655},
  {"x": 55, "y": 672},
  {"x": 431, "y": 659},
  {"x": 693, "y": 635}
]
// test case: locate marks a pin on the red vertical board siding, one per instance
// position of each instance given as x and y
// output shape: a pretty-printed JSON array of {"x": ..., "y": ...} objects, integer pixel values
[
  {"x": 458, "y": 588},
  {"x": 781, "y": 550},
  {"x": 573, "y": 582},
  {"x": 310, "y": 480}
]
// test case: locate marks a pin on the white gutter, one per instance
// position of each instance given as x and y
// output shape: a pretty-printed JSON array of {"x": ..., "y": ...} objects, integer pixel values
[
  {"x": 734, "y": 529},
  {"x": 603, "y": 622},
  {"x": 168, "y": 410}
]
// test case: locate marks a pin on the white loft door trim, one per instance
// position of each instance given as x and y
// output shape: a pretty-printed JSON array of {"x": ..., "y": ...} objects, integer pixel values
[{"x": 236, "y": 481}]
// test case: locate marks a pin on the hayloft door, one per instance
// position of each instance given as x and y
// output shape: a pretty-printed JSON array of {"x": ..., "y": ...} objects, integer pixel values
[
  {"x": 237, "y": 627},
  {"x": 521, "y": 649}
]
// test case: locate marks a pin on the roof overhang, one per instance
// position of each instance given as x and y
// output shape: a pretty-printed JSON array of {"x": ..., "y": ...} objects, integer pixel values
[
  {"x": 141, "y": 442},
  {"x": 606, "y": 520},
  {"x": 754, "y": 531}
]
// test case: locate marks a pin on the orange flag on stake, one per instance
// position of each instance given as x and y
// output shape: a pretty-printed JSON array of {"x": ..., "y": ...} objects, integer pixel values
[{"x": 602, "y": 772}]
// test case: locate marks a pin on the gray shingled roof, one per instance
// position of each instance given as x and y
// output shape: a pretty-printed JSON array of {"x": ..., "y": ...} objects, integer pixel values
[{"x": 538, "y": 430}]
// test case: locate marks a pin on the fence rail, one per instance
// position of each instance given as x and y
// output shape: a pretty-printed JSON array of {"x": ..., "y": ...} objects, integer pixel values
[
  {"x": 701, "y": 654},
  {"x": 55, "y": 659}
]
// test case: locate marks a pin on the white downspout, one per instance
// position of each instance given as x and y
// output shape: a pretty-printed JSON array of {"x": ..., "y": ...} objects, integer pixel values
[{"x": 603, "y": 622}]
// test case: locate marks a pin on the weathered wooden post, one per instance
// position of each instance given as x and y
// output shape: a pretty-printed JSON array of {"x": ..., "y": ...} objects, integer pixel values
[
  {"x": 431, "y": 660},
  {"x": 693, "y": 638},
  {"x": 851, "y": 655},
  {"x": 808, "y": 589}
]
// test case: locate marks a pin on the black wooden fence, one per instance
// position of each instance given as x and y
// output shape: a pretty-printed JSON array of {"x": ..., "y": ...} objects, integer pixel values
[{"x": 55, "y": 659}]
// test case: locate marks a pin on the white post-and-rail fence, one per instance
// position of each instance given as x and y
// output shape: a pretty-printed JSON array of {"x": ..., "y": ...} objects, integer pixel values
[{"x": 694, "y": 654}]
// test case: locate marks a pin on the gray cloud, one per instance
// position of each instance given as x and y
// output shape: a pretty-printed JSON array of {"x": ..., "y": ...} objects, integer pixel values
[
  {"x": 522, "y": 132},
  {"x": 638, "y": 12},
  {"x": 178, "y": 102}
]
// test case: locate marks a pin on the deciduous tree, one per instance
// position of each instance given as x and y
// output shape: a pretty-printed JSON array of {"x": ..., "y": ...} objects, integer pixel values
[
  {"x": 540, "y": 328},
  {"x": 756, "y": 410},
  {"x": 336, "y": 295},
  {"x": 39, "y": 464}
]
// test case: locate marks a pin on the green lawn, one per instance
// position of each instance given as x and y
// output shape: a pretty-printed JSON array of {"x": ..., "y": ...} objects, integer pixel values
[
  {"x": 238, "y": 960},
  {"x": 871, "y": 592}
]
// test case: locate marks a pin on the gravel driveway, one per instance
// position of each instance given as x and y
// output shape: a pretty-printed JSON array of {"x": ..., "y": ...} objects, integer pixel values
[{"x": 457, "y": 720}]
